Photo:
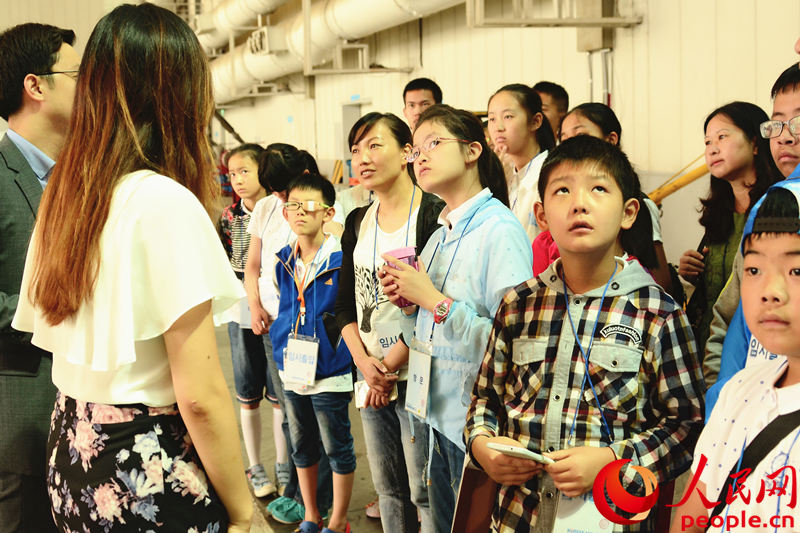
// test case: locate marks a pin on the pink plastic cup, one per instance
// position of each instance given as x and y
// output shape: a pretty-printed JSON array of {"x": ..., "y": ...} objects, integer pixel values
[{"x": 407, "y": 255}]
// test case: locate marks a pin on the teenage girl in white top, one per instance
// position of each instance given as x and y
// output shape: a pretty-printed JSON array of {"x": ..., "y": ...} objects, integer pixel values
[{"x": 521, "y": 133}]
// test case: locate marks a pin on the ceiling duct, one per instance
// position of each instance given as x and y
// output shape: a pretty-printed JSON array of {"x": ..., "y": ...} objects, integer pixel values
[
  {"x": 331, "y": 21},
  {"x": 231, "y": 17}
]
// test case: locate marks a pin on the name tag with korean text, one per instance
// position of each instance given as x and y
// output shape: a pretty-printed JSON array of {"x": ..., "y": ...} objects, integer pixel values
[
  {"x": 300, "y": 360},
  {"x": 580, "y": 515},
  {"x": 419, "y": 376}
]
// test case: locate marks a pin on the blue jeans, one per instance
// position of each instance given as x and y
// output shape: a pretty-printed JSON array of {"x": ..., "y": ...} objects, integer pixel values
[
  {"x": 397, "y": 464},
  {"x": 323, "y": 415},
  {"x": 447, "y": 463},
  {"x": 250, "y": 374},
  {"x": 324, "y": 477}
]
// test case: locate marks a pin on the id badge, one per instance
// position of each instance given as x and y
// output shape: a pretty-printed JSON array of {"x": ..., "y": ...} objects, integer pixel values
[
  {"x": 300, "y": 360},
  {"x": 245, "y": 321},
  {"x": 580, "y": 515},
  {"x": 419, "y": 377},
  {"x": 388, "y": 335}
]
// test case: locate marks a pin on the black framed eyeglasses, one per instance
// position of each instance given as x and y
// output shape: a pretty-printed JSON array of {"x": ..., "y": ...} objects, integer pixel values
[
  {"x": 773, "y": 128},
  {"x": 71, "y": 73}
]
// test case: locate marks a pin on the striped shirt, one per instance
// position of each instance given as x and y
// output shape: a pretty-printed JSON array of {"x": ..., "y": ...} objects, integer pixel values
[
  {"x": 233, "y": 228},
  {"x": 643, "y": 365}
]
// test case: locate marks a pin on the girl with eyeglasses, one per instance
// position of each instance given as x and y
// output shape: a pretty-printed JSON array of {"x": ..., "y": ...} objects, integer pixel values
[
  {"x": 464, "y": 270},
  {"x": 742, "y": 169},
  {"x": 402, "y": 216},
  {"x": 522, "y": 134}
]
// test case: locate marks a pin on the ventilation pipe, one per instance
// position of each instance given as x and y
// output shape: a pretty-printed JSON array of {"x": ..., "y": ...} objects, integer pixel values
[
  {"x": 230, "y": 18},
  {"x": 277, "y": 51}
]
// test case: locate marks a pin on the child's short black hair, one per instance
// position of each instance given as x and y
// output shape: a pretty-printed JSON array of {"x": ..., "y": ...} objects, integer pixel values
[
  {"x": 585, "y": 149},
  {"x": 777, "y": 212},
  {"x": 557, "y": 93},
  {"x": 314, "y": 182},
  {"x": 788, "y": 81}
]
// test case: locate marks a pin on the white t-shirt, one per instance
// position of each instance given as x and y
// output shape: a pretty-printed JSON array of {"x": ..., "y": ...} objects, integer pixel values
[
  {"x": 378, "y": 319},
  {"x": 655, "y": 217},
  {"x": 268, "y": 224},
  {"x": 160, "y": 256},
  {"x": 747, "y": 403},
  {"x": 523, "y": 193}
]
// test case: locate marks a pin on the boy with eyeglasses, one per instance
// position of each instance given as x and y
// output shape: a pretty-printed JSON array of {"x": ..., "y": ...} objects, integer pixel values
[
  {"x": 314, "y": 365},
  {"x": 740, "y": 348}
]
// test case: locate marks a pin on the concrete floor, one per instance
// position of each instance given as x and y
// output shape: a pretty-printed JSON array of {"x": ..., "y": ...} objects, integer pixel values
[{"x": 363, "y": 492}]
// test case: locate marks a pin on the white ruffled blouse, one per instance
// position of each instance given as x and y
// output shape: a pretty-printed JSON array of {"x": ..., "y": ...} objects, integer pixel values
[{"x": 160, "y": 256}]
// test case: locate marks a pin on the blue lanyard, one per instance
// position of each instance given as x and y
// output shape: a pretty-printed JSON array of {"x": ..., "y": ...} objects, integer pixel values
[
  {"x": 585, "y": 354},
  {"x": 430, "y": 269},
  {"x": 375, "y": 241},
  {"x": 302, "y": 310}
]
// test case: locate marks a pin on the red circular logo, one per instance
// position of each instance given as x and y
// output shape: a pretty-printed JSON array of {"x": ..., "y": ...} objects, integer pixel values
[{"x": 608, "y": 484}]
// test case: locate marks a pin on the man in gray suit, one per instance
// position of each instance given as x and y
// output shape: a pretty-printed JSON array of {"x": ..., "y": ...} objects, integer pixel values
[{"x": 38, "y": 72}]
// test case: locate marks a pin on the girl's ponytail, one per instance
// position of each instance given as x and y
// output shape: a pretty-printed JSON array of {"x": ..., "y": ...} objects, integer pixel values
[{"x": 638, "y": 239}]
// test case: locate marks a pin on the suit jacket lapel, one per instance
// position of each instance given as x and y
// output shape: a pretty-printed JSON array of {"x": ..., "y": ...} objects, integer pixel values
[{"x": 24, "y": 176}]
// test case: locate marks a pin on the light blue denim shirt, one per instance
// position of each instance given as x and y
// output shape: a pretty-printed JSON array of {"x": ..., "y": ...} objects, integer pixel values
[
  {"x": 494, "y": 256},
  {"x": 40, "y": 163}
]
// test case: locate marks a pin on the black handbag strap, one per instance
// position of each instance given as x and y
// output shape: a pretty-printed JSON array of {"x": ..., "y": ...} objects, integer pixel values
[{"x": 756, "y": 451}]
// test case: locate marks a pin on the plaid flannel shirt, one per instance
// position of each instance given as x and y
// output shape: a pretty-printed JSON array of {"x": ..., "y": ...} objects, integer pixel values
[{"x": 643, "y": 365}]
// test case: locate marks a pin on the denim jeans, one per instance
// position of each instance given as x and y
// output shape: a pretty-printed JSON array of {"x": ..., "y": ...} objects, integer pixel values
[
  {"x": 447, "y": 463},
  {"x": 324, "y": 476},
  {"x": 250, "y": 374},
  {"x": 322, "y": 415},
  {"x": 397, "y": 464}
]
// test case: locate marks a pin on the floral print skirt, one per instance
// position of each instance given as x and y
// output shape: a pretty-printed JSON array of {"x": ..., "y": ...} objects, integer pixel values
[{"x": 127, "y": 468}]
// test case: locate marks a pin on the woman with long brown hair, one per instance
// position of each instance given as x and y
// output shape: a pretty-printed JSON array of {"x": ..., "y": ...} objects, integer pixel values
[{"x": 123, "y": 281}]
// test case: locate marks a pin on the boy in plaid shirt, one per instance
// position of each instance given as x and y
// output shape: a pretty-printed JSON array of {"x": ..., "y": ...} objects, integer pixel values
[{"x": 589, "y": 362}]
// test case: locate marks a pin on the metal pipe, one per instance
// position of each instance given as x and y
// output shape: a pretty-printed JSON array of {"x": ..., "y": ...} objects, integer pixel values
[
  {"x": 231, "y": 18},
  {"x": 330, "y": 21}
]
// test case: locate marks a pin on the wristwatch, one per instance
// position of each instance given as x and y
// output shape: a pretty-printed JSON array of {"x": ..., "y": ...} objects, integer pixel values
[{"x": 441, "y": 310}]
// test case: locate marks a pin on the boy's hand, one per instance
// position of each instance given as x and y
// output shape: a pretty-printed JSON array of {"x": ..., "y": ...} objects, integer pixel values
[
  {"x": 503, "y": 468},
  {"x": 259, "y": 319},
  {"x": 575, "y": 469}
]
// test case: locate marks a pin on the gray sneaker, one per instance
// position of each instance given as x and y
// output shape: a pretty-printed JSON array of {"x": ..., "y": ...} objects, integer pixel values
[
  {"x": 260, "y": 481},
  {"x": 283, "y": 472}
]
